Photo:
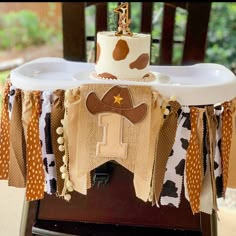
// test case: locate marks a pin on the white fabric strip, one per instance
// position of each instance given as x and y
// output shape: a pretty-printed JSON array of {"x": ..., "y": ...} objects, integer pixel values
[{"x": 11, "y": 95}]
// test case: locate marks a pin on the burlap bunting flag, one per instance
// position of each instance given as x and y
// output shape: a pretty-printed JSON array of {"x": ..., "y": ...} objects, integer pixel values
[{"x": 123, "y": 110}]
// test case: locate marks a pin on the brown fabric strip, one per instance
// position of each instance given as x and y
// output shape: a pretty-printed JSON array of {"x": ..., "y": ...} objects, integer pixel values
[
  {"x": 200, "y": 132},
  {"x": 164, "y": 145},
  {"x": 212, "y": 127},
  {"x": 226, "y": 142},
  {"x": 27, "y": 99},
  {"x": 35, "y": 171},
  {"x": 17, "y": 165},
  {"x": 232, "y": 157},
  {"x": 5, "y": 134},
  {"x": 194, "y": 163},
  {"x": 57, "y": 114}
]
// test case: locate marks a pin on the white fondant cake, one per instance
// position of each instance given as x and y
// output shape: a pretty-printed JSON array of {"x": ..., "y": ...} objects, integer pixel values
[{"x": 122, "y": 57}]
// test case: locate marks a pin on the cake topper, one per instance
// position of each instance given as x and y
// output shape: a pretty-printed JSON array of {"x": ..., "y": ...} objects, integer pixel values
[{"x": 124, "y": 21}]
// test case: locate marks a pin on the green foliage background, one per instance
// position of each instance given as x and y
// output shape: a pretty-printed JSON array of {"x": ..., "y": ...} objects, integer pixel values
[
  {"x": 22, "y": 29},
  {"x": 221, "y": 46},
  {"x": 221, "y": 42}
]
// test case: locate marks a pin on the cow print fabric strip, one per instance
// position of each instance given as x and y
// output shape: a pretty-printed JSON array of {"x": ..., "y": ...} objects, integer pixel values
[
  {"x": 164, "y": 146},
  {"x": 173, "y": 181},
  {"x": 218, "y": 162},
  {"x": 45, "y": 137},
  {"x": 12, "y": 94}
]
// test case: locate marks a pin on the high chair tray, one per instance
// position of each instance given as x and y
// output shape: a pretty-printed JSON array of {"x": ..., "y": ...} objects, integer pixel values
[{"x": 199, "y": 84}]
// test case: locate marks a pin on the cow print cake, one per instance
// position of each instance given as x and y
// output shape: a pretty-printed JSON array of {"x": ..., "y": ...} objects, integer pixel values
[{"x": 123, "y": 57}]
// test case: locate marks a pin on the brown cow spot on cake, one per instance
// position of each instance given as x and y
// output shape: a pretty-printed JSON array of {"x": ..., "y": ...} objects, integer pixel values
[
  {"x": 121, "y": 50},
  {"x": 141, "y": 62},
  {"x": 107, "y": 76},
  {"x": 146, "y": 76},
  {"x": 98, "y": 52}
]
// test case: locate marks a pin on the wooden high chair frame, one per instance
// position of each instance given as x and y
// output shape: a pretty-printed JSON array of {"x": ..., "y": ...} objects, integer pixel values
[{"x": 38, "y": 213}]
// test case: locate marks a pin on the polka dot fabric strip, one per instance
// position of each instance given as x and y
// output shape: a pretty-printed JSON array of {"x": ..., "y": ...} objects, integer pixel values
[
  {"x": 194, "y": 164},
  {"x": 5, "y": 134},
  {"x": 35, "y": 171},
  {"x": 226, "y": 142},
  {"x": 57, "y": 114}
]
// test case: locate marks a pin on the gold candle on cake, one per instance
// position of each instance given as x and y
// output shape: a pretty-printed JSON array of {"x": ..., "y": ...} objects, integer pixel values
[{"x": 124, "y": 21}]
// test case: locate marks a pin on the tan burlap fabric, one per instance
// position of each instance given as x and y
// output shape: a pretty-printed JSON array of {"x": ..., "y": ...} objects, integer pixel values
[
  {"x": 27, "y": 98},
  {"x": 57, "y": 114},
  {"x": 232, "y": 156},
  {"x": 227, "y": 125},
  {"x": 17, "y": 165},
  {"x": 5, "y": 134},
  {"x": 86, "y": 132}
]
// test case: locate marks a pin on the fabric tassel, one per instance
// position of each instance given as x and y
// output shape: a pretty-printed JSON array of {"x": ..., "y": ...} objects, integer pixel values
[
  {"x": 208, "y": 191},
  {"x": 226, "y": 142},
  {"x": 157, "y": 121},
  {"x": 218, "y": 160},
  {"x": 63, "y": 147},
  {"x": 64, "y": 169},
  {"x": 5, "y": 134},
  {"x": 17, "y": 165},
  {"x": 164, "y": 146},
  {"x": 173, "y": 182},
  {"x": 57, "y": 114},
  {"x": 45, "y": 137},
  {"x": 35, "y": 172},
  {"x": 232, "y": 156},
  {"x": 194, "y": 165}
]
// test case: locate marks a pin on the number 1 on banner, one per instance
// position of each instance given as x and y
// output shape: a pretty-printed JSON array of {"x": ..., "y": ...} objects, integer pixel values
[{"x": 111, "y": 145}]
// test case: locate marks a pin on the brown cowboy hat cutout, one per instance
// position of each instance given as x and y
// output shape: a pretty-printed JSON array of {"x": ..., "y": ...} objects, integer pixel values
[{"x": 117, "y": 100}]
